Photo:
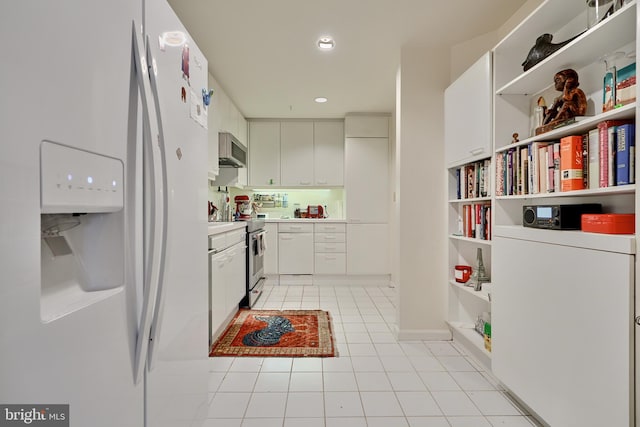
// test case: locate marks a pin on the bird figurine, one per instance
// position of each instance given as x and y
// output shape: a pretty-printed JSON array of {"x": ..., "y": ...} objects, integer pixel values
[
  {"x": 206, "y": 96},
  {"x": 542, "y": 49}
]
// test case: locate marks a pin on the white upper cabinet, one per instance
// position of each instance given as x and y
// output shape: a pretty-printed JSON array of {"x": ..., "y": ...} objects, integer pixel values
[
  {"x": 296, "y": 153},
  {"x": 467, "y": 114},
  {"x": 328, "y": 153},
  {"x": 264, "y": 153}
]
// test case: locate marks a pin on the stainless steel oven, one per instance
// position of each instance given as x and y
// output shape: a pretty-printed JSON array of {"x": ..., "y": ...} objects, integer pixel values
[{"x": 256, "y": 243}]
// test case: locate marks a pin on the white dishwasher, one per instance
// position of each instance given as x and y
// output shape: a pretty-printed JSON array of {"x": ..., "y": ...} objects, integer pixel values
[{"x": 227, "y": 278}]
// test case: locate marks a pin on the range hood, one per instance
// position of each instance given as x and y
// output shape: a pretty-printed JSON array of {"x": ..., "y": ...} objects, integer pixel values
[{"x": 231, "y": 152}]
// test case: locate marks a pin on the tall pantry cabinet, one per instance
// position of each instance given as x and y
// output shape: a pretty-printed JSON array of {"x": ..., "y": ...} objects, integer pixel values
[
  {"x": 367, "y": 188},
  {"x": 562, "y": 302}
]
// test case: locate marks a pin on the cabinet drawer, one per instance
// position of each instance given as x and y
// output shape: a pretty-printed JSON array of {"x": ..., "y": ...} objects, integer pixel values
[
  {"x": 330, "y": 237},
  {"x": 236, "y": 236},
  {"x": 295, "y": 227},
  {"x": 330, "y": 247},
  {"x": 330, "y": 228},
  {"x": 330, "y": 264},
  {"x": 218, "y": 241}
]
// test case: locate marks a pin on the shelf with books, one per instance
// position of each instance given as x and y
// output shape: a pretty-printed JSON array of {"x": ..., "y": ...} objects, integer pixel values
[
  {"x": 602, "y": 158},
  {"x": 531, "y": 256},
  {"x": 471, "y": 200},
  {"x": 621, "y": 189}
]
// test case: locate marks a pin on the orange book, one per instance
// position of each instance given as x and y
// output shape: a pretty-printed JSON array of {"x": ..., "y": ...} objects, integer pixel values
[{"x": 571, "y": 163}]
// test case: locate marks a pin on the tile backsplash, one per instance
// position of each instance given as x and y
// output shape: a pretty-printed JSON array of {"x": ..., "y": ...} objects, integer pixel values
[{"x": 278, "y": 203}]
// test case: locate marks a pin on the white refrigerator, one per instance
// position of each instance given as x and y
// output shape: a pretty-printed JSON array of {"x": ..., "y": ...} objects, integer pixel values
[{"x": 103, "y": 231}]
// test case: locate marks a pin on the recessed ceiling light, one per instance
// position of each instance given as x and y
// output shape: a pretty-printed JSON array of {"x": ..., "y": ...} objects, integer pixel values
[
  {"x": 326, "y": 43},
  {"x": 321, "y": 100}
]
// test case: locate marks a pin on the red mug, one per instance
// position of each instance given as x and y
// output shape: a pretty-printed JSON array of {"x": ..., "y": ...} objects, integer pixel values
[{"x": 462, "y": 273}]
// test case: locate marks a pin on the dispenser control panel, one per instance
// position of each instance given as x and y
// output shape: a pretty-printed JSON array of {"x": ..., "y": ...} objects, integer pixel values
[{"x": 73, "y": 180}]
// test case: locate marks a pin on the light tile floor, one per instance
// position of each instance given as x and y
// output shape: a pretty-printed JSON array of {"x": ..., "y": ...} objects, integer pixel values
[{"x": 375, "y": 380}]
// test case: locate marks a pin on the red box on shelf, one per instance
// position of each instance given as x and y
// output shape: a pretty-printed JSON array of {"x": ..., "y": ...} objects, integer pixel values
[{"x": 609, "y": 223}]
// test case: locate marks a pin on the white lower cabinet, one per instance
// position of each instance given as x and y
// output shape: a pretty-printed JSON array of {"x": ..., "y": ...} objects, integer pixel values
[
  {"x": 330, "y": 249},
  {"x": 295, "y": 248},
  {"x": 562, "y": 324},
  {"x": 271, "y": 254},
  {"x": 227, "y": 276},
  {"x": 368, "y": 249}
]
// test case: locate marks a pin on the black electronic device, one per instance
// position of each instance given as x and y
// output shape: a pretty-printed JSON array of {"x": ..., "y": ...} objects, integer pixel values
[{"x": 557, "y": 217}]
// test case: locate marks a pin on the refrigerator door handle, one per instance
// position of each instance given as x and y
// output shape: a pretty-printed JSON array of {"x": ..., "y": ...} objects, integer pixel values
[
  {"x": 154, "y": 255},
  {"x": 156, "y": 323}
]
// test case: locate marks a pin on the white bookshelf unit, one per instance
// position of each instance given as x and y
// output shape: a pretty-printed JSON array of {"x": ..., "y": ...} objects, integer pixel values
[
  {"x": 563, "y": 301},
  {"x": 471, "y": 92}
]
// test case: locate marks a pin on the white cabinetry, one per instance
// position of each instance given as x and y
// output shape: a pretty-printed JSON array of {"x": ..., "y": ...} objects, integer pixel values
[
  {"x": 271, "y": 254},
  {"x": 562, "y": 329},
  {"x": 563, "y": 306},
  {"x": 328, "y": 153},
  {"x": 367, "y": 188},
  {"x": 467, "y": 114},
  {"x": 330, "y": 248},
  {"x": 295, "y": 248},
  {"x": 368, "y": 249},
  {"x": 296, "y": 153},
  {"x": 367, "y": 180},
  {"x": 469, "y": 176},
  {"x": 264, "y": 153},
  {"x": 227, "y": 277}
]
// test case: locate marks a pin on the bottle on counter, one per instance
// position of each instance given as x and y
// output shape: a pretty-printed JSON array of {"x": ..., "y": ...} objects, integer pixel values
[{"x": 285, "y": 200}]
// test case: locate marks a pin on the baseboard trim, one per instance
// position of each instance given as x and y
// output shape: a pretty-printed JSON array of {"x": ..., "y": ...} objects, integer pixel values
[{"x": 424, "y": 335}]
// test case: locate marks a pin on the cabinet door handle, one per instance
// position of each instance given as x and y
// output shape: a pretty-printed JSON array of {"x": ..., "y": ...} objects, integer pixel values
[
  {"x": 330, "y": 258},
  {"x": 286, "y": 238},
  {"x": 477, "y": 151},
  {"x": 322, "y": 181},
  {"x": 330, "y": 237},
  {"x": 305, "y": 182}
]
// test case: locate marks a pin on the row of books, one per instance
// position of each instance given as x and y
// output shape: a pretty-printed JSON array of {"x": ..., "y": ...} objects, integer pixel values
[
  {"x": 473, "y": 180},
  {"x": 474, "y": 221},
  {"x": 602, "y": 157}
]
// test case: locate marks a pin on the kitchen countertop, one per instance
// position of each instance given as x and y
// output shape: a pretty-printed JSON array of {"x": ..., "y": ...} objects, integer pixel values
[
  {"x": 305, "y": 220},
  {"x": 221, "y": 227}
]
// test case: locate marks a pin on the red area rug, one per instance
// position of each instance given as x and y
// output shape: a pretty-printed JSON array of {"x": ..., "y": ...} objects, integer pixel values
[{"x": 274, "y": 333}]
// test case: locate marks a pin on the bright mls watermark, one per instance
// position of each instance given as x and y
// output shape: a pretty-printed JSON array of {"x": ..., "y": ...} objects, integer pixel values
[{"x": 34, "y": 415}]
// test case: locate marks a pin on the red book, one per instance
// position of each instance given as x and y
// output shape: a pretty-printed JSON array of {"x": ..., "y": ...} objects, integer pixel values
[{"x": 571, "y": 163}]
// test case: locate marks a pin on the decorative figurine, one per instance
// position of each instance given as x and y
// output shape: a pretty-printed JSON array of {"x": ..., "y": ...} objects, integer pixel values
[
  {"x": 542, "y": 49},
  {"x": 515, "y": 138},
  {"x": 572, "y": 102},
  {"x": 479, "y": 275}
]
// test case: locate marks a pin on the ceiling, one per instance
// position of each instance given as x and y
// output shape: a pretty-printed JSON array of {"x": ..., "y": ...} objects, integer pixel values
[{"x": 263, "y": 53}]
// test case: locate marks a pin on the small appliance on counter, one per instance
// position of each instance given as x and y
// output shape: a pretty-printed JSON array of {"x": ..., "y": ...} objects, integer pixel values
[
  {"x": 243, "y": 207},
  {"x": 315, "y": 211}
]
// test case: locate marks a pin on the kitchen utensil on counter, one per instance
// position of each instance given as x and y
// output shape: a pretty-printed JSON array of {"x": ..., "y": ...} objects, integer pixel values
[{"x": 213, "y": 212}]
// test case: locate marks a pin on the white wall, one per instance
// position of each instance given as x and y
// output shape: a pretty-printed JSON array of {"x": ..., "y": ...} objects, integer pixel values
[
  {"x": 464, "y": 54},
  {"x": 420, "y": 212},
  {"x": 421, "y": 199}
]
